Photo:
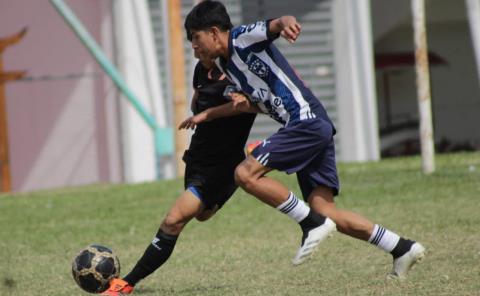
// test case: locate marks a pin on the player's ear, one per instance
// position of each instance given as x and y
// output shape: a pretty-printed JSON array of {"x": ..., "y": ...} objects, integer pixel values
[{"x": 215, "y": 31}]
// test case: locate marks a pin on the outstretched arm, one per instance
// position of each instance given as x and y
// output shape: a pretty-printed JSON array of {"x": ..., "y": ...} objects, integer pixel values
[
  {"x": 238, "y": 105},
  {"x": 287, "y": 26}
]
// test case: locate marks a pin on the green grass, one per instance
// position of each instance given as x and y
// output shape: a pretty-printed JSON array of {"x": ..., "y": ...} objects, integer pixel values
[{"x": 246, "y": 249}]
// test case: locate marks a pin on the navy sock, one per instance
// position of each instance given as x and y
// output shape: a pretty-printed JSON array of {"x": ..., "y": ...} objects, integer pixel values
[{"x": 156, "y": 254}]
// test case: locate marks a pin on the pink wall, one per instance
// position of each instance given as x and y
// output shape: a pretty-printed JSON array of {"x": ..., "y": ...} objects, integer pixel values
[{"x": 62, "y": 132}]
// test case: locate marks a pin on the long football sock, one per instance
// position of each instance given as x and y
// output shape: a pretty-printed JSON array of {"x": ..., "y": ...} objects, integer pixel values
[
  {"x": 154, "y": 256},
  {"x": 294, "y": 208},
  {"x": 300, "y": 212},
  {"x": 389, "y": 241}
]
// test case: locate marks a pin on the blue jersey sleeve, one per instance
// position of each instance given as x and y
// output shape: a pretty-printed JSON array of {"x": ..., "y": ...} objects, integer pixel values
[{"x": 253, "y": 36}]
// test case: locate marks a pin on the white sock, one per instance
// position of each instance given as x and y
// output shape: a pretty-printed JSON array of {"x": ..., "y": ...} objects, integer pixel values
[
  {"x": 294, "y": 208},
  {"x": 384, "y": 238}
]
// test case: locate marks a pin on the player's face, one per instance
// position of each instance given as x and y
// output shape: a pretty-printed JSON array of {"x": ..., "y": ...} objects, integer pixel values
[
  {"x": 205, "y": 60},
  {"x": 204, "y": 44}
]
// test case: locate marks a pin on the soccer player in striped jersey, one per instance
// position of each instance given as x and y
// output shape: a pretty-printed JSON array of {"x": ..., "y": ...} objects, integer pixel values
[{"x": 304, "y": 145}]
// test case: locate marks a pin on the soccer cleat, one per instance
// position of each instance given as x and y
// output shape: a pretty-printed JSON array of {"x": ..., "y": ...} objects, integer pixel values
[
  {"x": 118, "y": 287},
  {"x": 313, "y": 238},
  {"x": 402, "y": 264}
]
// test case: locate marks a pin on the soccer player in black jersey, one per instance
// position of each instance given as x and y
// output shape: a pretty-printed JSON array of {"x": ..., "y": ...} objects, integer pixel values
[{"x": 211, "y": 159}]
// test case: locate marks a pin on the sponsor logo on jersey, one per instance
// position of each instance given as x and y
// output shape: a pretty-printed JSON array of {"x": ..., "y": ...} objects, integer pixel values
[{"x": 277, "y": 102}]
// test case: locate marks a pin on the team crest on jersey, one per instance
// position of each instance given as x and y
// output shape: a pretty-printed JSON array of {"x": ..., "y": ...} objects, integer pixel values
[
  {"x": 251, "y": 27},
  {"x": 259, "y": 67}
]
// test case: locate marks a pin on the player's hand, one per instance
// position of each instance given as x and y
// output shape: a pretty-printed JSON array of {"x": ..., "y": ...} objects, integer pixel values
[
  {"x": 187, "y": 124},
  {"x": 239, "y": 100},
  {"x": 291, "y": 28},
  {"x": 192, "y": 121}
]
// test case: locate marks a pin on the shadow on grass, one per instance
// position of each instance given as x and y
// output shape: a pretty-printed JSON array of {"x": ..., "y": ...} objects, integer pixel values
[{"x": 8, "y": 286}]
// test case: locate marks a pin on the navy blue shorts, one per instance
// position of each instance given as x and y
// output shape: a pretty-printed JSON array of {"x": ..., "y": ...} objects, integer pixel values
[{"x": 306, "y": 148}]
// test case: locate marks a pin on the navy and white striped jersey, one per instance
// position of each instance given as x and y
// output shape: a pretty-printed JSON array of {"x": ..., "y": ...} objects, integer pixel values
[{"x": 260, "y": 70}]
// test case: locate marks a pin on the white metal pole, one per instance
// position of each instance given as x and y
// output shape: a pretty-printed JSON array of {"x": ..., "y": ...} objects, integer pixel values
[
  {"x": 473, "y": 8},
  {"x": 423, "y": 86}
]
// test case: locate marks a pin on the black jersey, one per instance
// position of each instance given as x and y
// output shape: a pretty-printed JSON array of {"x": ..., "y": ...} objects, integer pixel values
[{"x": 222, "y": 139}]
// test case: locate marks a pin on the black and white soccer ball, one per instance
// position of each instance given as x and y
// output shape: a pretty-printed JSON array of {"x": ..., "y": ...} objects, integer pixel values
[{"x": 94, "y": 267}]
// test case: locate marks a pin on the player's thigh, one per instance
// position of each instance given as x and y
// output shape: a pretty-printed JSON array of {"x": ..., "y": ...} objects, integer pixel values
[
  {"x": 212, "y": 184},
  {"x": 250, "y": 168},
  {"x": 217, "y": 192},
  {"x": 320, "y": 172},
  {"x": 321, "y": 200}
]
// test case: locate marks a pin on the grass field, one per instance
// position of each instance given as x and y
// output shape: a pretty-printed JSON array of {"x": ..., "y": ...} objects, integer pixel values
[{"x": 246, "y": 249}]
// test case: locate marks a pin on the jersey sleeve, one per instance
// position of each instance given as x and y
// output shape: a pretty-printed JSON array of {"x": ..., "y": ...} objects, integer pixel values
[{"x": 254, "y": 35}]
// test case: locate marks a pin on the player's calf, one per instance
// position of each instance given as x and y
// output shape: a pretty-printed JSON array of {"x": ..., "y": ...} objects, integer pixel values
[{"x": 206, "y": 214}]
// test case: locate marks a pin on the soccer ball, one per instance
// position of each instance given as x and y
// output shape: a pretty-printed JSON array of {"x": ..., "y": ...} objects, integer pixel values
[{"x": 94, "y": 268}]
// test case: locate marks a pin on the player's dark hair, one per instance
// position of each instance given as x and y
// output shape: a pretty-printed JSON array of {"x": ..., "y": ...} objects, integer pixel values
[{"x": 205, "y": 15}]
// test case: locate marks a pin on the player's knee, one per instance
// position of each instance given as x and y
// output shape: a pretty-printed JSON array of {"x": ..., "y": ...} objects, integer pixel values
[
  {"x": 173, "y": 224},
  {"x": 206, "y": 214},
  {"x": 243, "y": 177}
]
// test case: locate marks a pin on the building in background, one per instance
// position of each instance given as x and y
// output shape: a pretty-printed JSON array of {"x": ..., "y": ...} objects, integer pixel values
[
  {"x": 69, "y": 126},
  {"x": 454, "y": 77},
  {"x": 67, "y": 123},
  {"x": 358, "y": 58},
  {"x": 63, "y": 122}
]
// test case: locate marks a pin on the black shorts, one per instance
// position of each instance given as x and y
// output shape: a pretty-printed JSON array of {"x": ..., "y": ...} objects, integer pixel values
[{"x": 213, "y": 184}]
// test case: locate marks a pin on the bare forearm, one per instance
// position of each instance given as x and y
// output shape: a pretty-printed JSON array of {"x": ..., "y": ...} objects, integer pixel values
[
  {"x": 248, "y": 108},
  {"x": 230, "y": 109},
  {"x": 287, "y": 26},
  {"x": 224, "y": 110},
  {"x": 275, "y": 26}
]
